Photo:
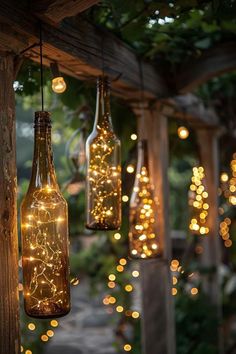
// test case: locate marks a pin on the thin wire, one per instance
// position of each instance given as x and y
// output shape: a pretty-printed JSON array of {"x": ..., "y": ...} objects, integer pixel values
[
  {"x": 41, "y": 64},
  {"x": 103, "y": 60},
  {"x": 141, "y": 86}
]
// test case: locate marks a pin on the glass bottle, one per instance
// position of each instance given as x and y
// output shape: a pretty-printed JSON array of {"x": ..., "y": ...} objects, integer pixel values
[
  {"x": 143, "y": 239},
  {"x": 103, "y": 181},
  {"x": 44, "y": 232}
]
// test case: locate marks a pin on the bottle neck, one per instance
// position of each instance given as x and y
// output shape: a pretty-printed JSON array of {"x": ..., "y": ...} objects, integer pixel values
[
  {"x": 143, "y": 155},
  {"x": 103, "y": 112},
  {"x": 43, "y": 172}
]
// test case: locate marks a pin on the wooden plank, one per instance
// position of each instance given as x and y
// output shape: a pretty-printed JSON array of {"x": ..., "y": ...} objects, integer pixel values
[
  {"x": 211, "y": 256},
  {"x": 56, "y": 10},
  {"x": 158, "y": 324},
  {"x": 9, "y": 317},
  {"x": 213, "y": 62},
  {"x": 194, "y": 111},
  {"x": 76, "y": 40}
]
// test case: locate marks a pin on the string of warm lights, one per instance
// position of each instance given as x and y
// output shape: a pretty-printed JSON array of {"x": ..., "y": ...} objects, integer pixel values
[
  {"x": 44, "y": 235},
  {"x": 177, "y": 270},
  {"x": 198, "y": 201},
  {"x": 103, "y": 169},
  {"x": 144, "y": 241},
  {"x": 225, "y": 190},
  {"x": 111, "y": 301},
  {"x": 52, "y": 324},
  {"x": 232, "y": 181}
]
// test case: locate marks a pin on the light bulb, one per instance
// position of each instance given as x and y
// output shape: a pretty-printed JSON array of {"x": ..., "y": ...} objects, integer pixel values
[
  {"x": 224, "y": 177},
  {"x": 58, "y": 84},
  {"x": 183, "y": 132}
]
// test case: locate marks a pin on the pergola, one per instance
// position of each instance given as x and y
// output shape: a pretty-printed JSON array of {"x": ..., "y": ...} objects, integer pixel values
[{"x": 84, "y": 50}]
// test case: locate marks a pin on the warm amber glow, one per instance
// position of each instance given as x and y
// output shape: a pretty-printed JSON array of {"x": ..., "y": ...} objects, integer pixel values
[
  {"x": 112, "y": 277},
  {"x": 198, "y": 200},
  {"x": 231, "y": 193},
  {"x": 119, "y": 308},
  {"x": 144, "y": 242},
  {"x": 44, "y": 338},
  {"x": 174, "y": 291},
  {"x": 58, "y": 84},
  {"x": 103, "y": 168},
  {"x": 134, "y": 137},
  {"x": 183, "y": 132},
  {"x": 54, "y": 323},
  {"x": 50, "y": 333},
  {"x": 120, "y": 268},
  {"x": 125, "y": 198},
  {"x": 44, "y": 231},
  {"x": 123, "y": 261},
  {"x": 135, "y": 273},
  {"x": 130, "y": 169},
  {"x": 128, "y": 288},
  {"x": 31, "y": 326},
  {"x": 127, "y": 348},
  {"x": 224, "y": 177},
  {"x": 135, "y": 314},
  {"x": 194, "y": 291},
  {"x": 117, "y": 236}
]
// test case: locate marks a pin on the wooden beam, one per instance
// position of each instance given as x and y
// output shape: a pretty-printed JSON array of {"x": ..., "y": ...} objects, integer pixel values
[
  {"x": 9, "y": 316},
  {"x": 77, "y": 45},
  {"x": 158, "y": 324},
  {"x": 211, "y": 256},
  {"x": 190, "y": 108},
  {"x": 213, "y": 62},
  {"x": 56, "y": 10}
]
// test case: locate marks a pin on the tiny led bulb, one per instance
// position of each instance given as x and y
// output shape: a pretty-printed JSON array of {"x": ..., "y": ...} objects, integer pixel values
[
  {"x": 58, "y": 84},
  {"x": 183, "y": 132}
]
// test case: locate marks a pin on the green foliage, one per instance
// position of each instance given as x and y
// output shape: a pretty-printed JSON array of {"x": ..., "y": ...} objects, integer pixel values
[{"x": 196, "y": 325}]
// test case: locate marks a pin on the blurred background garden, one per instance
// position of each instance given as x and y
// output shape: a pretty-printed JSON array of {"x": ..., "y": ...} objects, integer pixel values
[{"x": 106, "y": 297}]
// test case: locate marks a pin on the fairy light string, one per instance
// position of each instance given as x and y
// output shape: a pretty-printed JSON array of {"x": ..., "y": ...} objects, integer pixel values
[
  {"x": 143, "y": 237},
  {"x": 198, "y": 197}
]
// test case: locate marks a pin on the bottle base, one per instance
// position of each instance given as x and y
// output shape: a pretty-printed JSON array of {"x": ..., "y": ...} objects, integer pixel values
[
  {"x": 38, "y": 314},
  {"x": 101, "y": 227}
]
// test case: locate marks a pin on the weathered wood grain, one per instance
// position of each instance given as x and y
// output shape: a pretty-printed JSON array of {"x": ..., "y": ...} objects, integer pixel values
[
  {"x": 211, "y": 256},
  {"x": 9, "y": 318},
  {"x": 158, "y": 325},
  {"x": 56, "y": 10},
  {"x": 83, "y": 49},
  {"x": 213, "y": 62}
]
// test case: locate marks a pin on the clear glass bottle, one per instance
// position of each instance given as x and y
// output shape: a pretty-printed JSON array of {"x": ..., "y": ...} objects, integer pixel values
[
  {"x": 44, "y": 233},
  {"x": 143, "y": 239},
  {"x": 103, "y": 181}
]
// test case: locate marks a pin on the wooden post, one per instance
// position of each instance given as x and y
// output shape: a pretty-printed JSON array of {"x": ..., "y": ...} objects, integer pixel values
[
  {"x": 211, "y": 256},
  {"x": 9, "y": 317},
  {"x": 158, "y": 325}
]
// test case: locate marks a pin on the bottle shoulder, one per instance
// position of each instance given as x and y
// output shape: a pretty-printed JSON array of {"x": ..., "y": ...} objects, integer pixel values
[
  {"x": 38, "y": 196},
  {"x": 97, "y": 136}
]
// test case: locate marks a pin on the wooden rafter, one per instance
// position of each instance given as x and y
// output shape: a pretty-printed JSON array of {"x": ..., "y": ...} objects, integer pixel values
[
  {"x": 213, "y": 62},
  {"x": 56, "y": 10},
  {"x": 82, "y": 50}
]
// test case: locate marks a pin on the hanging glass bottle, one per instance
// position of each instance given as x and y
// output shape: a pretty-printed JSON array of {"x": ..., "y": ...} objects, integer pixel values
[
  {"x": 143, "y": 239},
  {"x": 103, "y": 182},
  {"x": 44, "y": 231}
]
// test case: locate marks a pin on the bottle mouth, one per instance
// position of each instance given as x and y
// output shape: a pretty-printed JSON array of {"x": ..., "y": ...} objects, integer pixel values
[
  {"x": 103, "y": 82},
  {"x": 142, "y": 143},
  {"x": 42, "y": 119}
]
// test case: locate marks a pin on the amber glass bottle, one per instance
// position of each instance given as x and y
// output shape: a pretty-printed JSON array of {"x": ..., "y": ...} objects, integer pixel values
[
  {"x": 143, "y": 238},
  {"x": 103, "y": 181},
  {"x": 44, "y": 233}
]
